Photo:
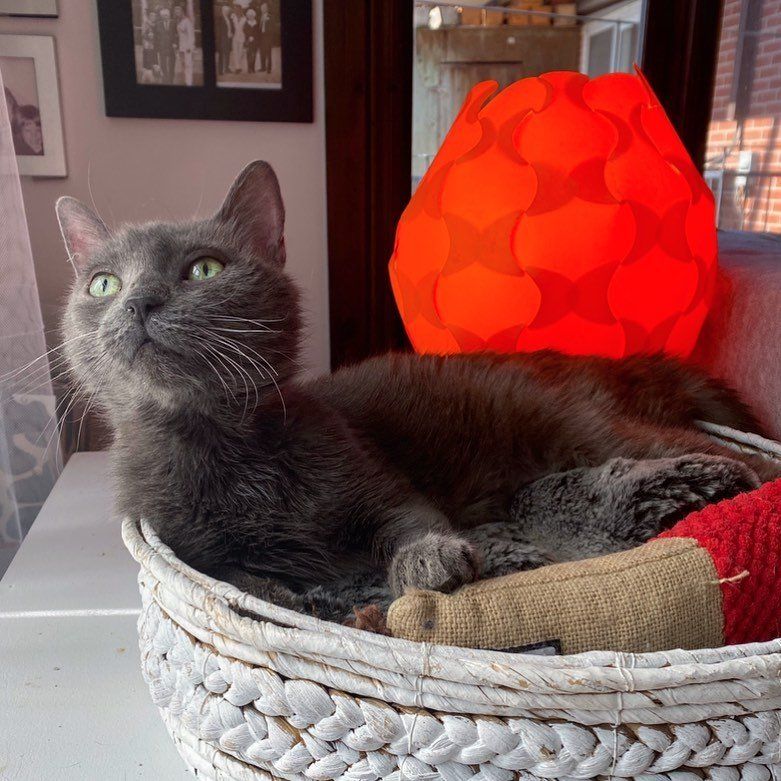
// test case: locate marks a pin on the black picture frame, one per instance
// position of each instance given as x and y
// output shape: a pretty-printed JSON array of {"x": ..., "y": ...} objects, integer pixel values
[
  {"x": 125, "y": 97},
  {"x": 40, "y": 9}
]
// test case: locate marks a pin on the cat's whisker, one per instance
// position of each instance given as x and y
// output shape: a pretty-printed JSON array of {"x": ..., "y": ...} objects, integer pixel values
[
  {"x": 37, "y": 386},
  {"x": 99, "y": 387},
  {"x": 91, "y": 195},
  {"x": 56, "y": 431},
  {"x": 252, "y": 350},
  {"x": 40, "y": 376},
  {"x": 244, "y": 377},
  {"x": 287, "y": 356},
  {"x": 57, "y": 405},
  {"x": 217, "y": 355},
  {"x": 100, "y": 368},
  {"x": 261, "y": 372},
  {"x": 227, "y": 343},
  {"x": 281, "y": 399},
  {"x": 13, "y": 373},
  {"x": 54, "y": 372},
  {"x": 237, "y": 327},
  {"x": 234, "y": 319},
  {"x": 270, "y": 371},
  {"x": 249, "y": 330},
  {"x": 254, "y": 320},
  {"x": 81, "y": 421},
  {"x": 230, "y": 343},
  {"x": 31, "y": 386},
  {"x": 217, "y": 373}
]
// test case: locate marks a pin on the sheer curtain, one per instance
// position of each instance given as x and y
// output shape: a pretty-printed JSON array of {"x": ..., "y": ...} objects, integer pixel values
[{"x": 28, "y": 468}]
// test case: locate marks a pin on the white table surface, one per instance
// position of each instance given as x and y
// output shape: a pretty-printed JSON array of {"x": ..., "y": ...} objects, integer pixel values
[{"x": 73, "y": 704}]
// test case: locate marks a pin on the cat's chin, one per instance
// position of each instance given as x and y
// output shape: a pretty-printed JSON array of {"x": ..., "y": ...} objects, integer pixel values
[
  {"x": 145, "y": 346},
  {"x": 142, "y": 389},
  {"x": 145, "y": 352}
]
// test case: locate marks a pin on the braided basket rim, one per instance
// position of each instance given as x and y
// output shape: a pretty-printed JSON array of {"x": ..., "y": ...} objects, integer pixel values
[{"x": 208, "y": 609}]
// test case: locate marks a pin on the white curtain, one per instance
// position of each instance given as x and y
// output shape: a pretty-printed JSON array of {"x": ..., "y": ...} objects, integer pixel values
[{"x": 28, "y": 468}]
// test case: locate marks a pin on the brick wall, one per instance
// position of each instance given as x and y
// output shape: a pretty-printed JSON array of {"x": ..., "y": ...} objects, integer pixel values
[{"x": 750, "y": 182}]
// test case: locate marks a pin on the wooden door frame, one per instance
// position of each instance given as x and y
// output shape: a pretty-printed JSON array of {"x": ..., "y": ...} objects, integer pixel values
[
  {"x": 368, "y": 83},
  {"x": 680, "y": 49}
]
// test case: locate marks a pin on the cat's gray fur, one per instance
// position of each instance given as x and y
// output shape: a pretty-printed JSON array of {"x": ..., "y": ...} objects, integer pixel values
[{"x": 377, "y": 465}]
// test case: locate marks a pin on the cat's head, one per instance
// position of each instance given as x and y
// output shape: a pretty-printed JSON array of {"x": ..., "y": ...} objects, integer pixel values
[{"x": 193, "y": 316}]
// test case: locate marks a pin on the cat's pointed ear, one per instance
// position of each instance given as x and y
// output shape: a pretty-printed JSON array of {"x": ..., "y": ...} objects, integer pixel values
[
  {"x": 253, "y": 208},
  {"x": 83, "y": 231}
]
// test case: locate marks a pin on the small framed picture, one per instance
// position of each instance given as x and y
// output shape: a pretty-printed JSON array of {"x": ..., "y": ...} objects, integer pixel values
[
  {"x": 28, "y": 7},
  {"x": 207, "y": 59},
  {"x": 248, "y": 40},
  {"x": 29, "y": 68}
]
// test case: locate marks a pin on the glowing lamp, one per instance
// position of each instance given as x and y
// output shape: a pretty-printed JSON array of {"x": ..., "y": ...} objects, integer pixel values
[{"x": 564, "y": 213}]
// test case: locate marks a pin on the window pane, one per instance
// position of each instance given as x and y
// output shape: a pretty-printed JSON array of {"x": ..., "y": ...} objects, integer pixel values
[
  {"x": 743, "y": 157},
  {"x": 600, "y": 52},
  {"x": 458, "y": 45},
  {"x": 627, "y": 50}
]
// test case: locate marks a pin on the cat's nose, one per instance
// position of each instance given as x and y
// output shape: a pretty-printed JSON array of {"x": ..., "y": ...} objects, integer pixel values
[{"x": 139, "y": 307}]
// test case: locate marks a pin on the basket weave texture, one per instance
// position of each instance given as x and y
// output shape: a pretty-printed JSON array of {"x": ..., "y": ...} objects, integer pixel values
[{"x": 287, "y": 696}]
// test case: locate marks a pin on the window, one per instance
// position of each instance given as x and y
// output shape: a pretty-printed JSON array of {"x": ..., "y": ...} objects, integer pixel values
[
  {"x": 743, "y": 157},
  {"x": 460, "y": 44},
  {"x": 610, "y": 38}
]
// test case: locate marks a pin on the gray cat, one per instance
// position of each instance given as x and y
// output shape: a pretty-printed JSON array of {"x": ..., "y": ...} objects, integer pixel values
[{"x": 187, "y": 335}]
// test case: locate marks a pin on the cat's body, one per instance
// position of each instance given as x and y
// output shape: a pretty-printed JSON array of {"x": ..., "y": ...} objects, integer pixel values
[
  {"x": 375, "y": 454},
  {"x": 469, "y": 430},
  {"x": 238, "y": 464}
]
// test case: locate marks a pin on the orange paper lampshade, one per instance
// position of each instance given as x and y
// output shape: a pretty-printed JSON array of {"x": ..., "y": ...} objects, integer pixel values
[{"x": 564, "y": 213}]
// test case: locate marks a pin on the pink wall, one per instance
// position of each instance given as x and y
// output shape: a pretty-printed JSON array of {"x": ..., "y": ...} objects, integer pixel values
[{"x": 141, "y": 169}]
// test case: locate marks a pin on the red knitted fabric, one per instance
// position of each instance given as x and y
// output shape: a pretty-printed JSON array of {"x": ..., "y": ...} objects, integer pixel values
[{"x": 743, "y": 535}]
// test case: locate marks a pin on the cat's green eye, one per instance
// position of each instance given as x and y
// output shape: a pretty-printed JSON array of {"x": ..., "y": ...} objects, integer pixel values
[
  {"x": 205, "y": 268},
  {"x": 104, "y": 285}
]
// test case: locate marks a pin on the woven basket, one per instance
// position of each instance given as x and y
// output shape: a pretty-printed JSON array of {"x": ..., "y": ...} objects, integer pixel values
[{"x": 288, "y": 696}]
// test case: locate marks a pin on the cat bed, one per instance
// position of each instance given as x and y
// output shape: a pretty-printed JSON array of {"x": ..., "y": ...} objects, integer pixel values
[{"x": 286, "y": 695}]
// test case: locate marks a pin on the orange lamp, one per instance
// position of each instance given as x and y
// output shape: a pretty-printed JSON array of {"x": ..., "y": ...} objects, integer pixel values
[{"x": 564, "y": 213}]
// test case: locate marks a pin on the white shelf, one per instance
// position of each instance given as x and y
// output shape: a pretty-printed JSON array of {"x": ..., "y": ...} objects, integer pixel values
[
  {"x": 74, "y": 704},
  {"x": 73, "y": 558}
]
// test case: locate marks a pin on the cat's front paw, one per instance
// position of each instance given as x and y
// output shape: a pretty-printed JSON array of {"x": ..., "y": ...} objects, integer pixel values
[{"x": 435, "y": 562}]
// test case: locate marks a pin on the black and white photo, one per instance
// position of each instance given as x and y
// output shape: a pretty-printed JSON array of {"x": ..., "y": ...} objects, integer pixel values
[
  {"x": 245, "y": 60},
  {"x": 29, "y": 72},
  {"x": 248, "y": 44},
  {"x": 167, "y": 36}
]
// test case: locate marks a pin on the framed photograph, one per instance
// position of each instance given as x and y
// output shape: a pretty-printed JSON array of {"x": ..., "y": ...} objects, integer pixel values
[
  {"x": 29, "y": 68},
  {"x": 207, "y": 59},
  {"x": 249, "y": 44},
  {"x": 28, "y": 7}
]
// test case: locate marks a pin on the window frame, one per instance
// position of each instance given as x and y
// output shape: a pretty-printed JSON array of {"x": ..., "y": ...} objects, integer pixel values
[{"x": 618, "y": 30}]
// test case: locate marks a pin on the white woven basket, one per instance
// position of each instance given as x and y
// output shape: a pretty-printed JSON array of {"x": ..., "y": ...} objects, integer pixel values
[{"x": 288, "y": 696}]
